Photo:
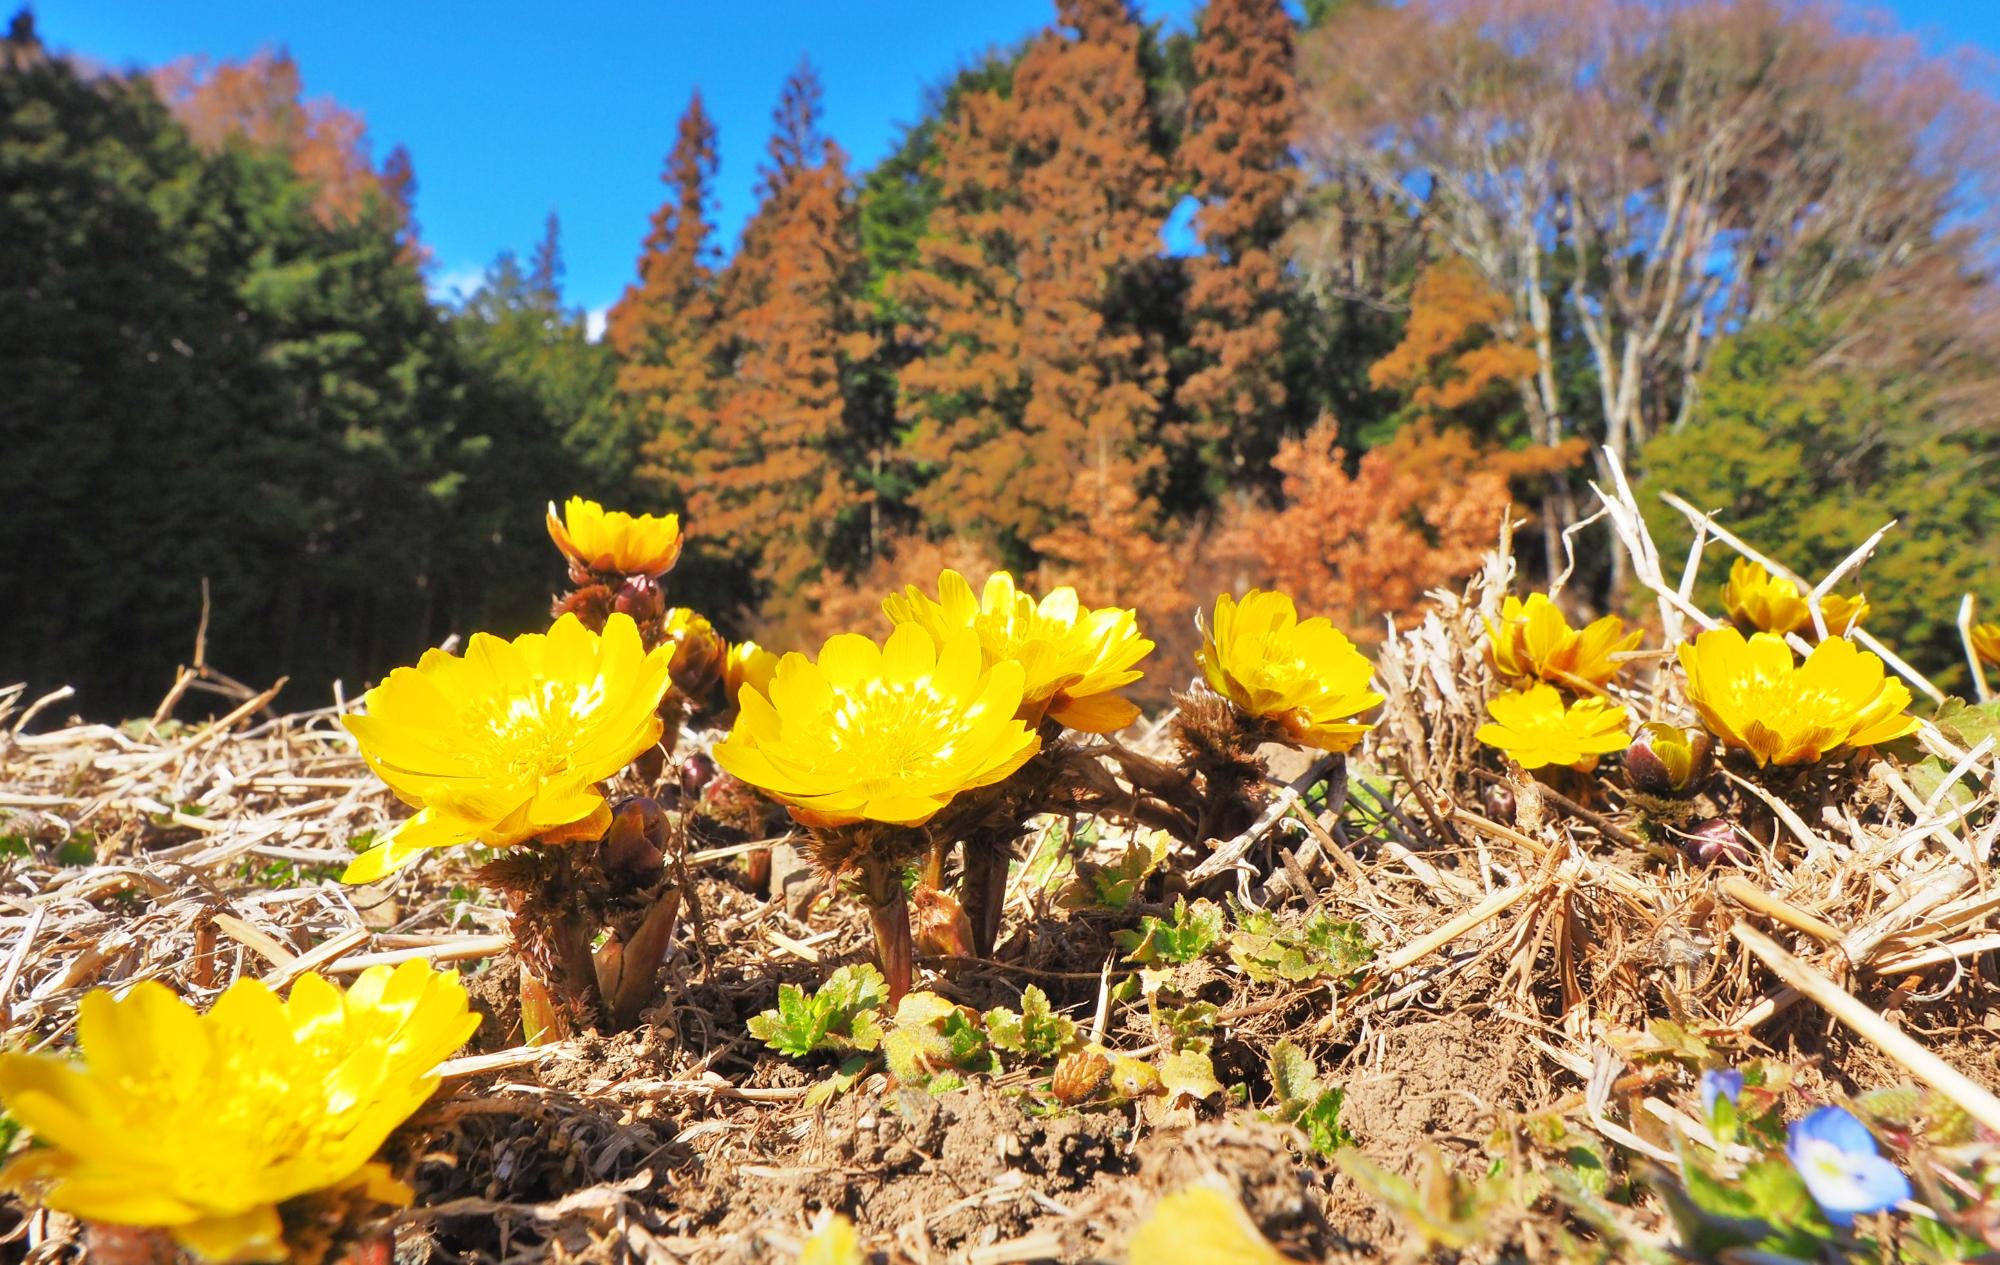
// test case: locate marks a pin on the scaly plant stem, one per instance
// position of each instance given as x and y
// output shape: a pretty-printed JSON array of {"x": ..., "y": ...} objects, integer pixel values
[
  {"x": 983, "y": 890},
  {"x": 889, "y": 916}
]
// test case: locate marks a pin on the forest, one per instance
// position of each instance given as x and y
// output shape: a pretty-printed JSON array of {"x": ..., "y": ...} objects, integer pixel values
[{"x": 1440, "y": 256}]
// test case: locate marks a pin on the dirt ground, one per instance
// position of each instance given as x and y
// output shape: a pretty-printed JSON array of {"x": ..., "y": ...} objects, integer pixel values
[{"x": 1537, "y": 967}]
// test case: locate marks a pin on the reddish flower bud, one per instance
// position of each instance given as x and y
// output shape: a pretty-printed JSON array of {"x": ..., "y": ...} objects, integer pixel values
[
  {"x": 640, "y": 597},
  {"x": 1668, "y": 760},
  {"x": 696, "y": 772},
  {"x": 1716, "y": 841}
]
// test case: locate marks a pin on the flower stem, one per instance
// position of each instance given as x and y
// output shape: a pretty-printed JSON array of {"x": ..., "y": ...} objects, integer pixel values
[
  {"x": 889, "y": 916},
  {"x": 984, "y": 887}
]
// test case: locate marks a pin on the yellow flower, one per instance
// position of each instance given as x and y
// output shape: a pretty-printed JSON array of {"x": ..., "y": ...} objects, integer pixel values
[
  {"x": 1986, "y": 642},
  {"x": 1534, "y": 727},
  {"x": 1533, "y": 639},
  {"x": 1074, "y": 656},
  {"x": 747, "y": 663},
  {"x": 1762, "y": 602},
  {"x": 1200, "y": 1225},
  {"x": 834, "y": 1243},
  {"x": 1753, "y": 696},
  {"x": 884, "y": 733},
  {"x": 611, "y": 542},
  {"x": 204, "y": 1124},
  {"x": 508, "y": 743},
  {"x": 1304, "y": 676}
]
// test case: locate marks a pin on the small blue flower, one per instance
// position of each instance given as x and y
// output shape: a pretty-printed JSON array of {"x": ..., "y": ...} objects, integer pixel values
[
  {"x": 1837, "y": 1157},
  {"x": 1717, "y": 1083}
]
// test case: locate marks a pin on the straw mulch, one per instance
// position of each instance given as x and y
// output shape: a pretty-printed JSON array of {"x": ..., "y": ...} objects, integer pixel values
[{"x": 1527, "y": 945}]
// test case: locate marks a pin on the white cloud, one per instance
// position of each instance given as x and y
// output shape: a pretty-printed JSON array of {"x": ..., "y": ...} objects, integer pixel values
[
  {"x": 452, "y": 285},
  {"x": 594, "y": 320}
]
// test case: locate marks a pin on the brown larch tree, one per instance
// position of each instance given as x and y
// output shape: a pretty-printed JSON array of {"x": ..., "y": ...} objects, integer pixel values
[
  {"x": 662, "y": 328},
  {"x": 259, "y": 101},
  {"x": 1093, "y": 199},
  {"x": 776, "y": 483},
  {"x": 1237, "y": 157},
  {"x": 963, "y": 390},
  {"x": 1453, "y": 355}
]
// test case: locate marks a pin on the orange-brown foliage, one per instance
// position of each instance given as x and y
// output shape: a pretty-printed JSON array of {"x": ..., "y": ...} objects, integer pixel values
[
  {"x": 1450, "y": 355},
  {"x": 1109, "y": 551},
  {"x": 774, "y": 483},
  {"x": 1416, "y": 513},
  {"x": 663, "y": 328},
  {"x": 839, "y": 603},
  {"x": 257, "y": 101},
  {"x": 1112, "y": 554},
  {"x": 1093, "y": 200},
  {"x": 1237, "y": 155},
  {"x": 1052, "y": 199},
  {"x": 963, "y": 393}
]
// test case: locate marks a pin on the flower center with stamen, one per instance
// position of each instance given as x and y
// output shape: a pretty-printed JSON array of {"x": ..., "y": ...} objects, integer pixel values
[{"x": 889, "y": 732}]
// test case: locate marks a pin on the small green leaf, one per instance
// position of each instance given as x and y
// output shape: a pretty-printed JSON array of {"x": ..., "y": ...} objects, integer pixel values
[
  {"x": 845, "y": 1078},
  {"x": 1189, "y": 1073},
  {"x": 916, "y": 1052},
  {"x": 1927, "y": 776},
  {"x": 1114, "y": 886},
  {"x": 1037, "y": 1032},
  {"x": 1321, "y": 1123},
  {"x": 1190, "y": 933},
  {"x": 1969, "y": 724},
  {"x": 1189, "y": 1027},
  {"x": 1680, "y": 1042},
  {"x": 1777, "y": 1193},
  {"x": 1271, "y": 950},
  {"x": 79, "y": 849},
  {"x": 1294, "y": 1079},
  {"x": 802, "y": 1025}
]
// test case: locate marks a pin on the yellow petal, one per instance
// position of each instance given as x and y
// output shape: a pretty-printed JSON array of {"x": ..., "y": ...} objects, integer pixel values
[
  {"x": 1200, "y": 1225},
  {"x": 1095, "y": 714}
]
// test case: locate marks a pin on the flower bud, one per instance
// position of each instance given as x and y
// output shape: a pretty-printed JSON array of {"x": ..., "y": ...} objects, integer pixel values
[
  {"x": 1714, "y": 841},
  {"x": 636, "y": 844},
  {"x": 698, "y": 653},
  {"x": 640, "y": 598},
  {"x": 696, "y": 772},
  {"x": 938, "y": 923},
  {"x": 1668, "y": 760}
]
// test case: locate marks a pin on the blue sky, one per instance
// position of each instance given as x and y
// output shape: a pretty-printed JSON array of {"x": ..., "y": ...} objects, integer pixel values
[{"x": 512, "y": 111}]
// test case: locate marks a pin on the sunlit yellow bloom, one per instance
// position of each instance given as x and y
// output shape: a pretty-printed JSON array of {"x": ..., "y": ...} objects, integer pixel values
[
  {"x": 1533, "y": 640},
  {"x": 885, "y": 733},
  {"x": 1534, "y": 727},
  {"x": 508, "y": 743},
  {"x": 834, "y": 1243},
  {"x": 1753, "y": 696},
  {"x": 611, "y": 542},
  {"x": 1986, "y": 642},
  {"x": 1761, "y": 602},
  {"x": 204, "y": 1124},
  {"x": 1074, "y": 656},
  {"x": 1303, "y": 675},
  {"x": 1200, "y": 1225},
  {"x": 748, "y": 663}
]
